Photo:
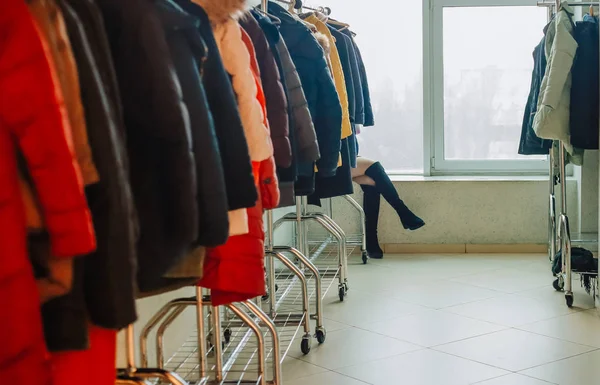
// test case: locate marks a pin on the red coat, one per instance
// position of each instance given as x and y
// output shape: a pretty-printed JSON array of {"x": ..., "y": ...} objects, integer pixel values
[
  {"x": 33, "y": 120},
  {"x": 235, "y": 271}
]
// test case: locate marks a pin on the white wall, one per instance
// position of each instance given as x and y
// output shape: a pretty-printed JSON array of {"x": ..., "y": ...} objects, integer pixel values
[{"x": 471, "y": 211}]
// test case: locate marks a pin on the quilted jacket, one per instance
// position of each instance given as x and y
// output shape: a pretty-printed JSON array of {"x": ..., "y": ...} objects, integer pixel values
[
  {"x": 553, "y": 113},
  {"x": 319, "y": 88}
]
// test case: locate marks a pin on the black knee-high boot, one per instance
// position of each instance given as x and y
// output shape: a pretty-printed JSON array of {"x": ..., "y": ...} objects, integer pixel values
[
  {"x": 371, "y": 201},
  {"x": 385, "y": 186}
]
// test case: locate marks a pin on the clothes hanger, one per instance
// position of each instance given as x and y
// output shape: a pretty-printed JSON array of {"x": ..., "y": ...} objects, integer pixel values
[
  {"x": 591, "y": 12},
  {"x": 338, "y": 23},
  {"x": 272, "y": 17}
]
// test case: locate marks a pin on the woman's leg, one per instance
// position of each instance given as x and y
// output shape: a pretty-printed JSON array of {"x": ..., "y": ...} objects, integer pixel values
[
  {"x": 371, "y": 202},
  {"x": 386, "y": 188}
]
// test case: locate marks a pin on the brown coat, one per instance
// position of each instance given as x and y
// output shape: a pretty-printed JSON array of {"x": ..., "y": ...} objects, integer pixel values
[{"x": 50, "y": 23}]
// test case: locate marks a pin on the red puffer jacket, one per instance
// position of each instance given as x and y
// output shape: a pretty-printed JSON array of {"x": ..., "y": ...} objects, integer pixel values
[
  {"x": 235, "y": 271},
  {"x": 32, "y": 118}
]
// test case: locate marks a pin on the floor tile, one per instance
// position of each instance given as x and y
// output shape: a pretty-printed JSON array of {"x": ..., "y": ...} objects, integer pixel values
[
  {"x": 328, "y": 378},
  {"x": 295, "y": 368},
  {"x": 514, "y": 379},
  {"x": 352, "y": 346},
  {"x": 579, "y": 370},
  {"x": 511, "y": 310},
  {"x": 582, "y": 300},
  {"x": 362, "y": 309},
  {"x": 575, "y": 328},
  {"x": 507, "y": 280},
  {"x": 424, "y": 367},
  {"x": 433, "y": 328},
  {"x": 514, "y": 350},
  {"x": 442, "y": 293}
]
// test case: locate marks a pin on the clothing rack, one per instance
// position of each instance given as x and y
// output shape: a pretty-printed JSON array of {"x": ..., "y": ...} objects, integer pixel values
[
  {"x": 324, "y": 10},
  {"x": 559, "y": 233},
  {"x": 224, "y": 334}
]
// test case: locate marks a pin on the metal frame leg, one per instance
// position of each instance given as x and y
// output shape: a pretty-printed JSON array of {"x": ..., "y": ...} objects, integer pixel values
[
  {"x": 552, "y": 219},
  {"x": 305, "y": 299},
  {"x": 160, "y": 355},
  {"x": 154, "y": 321},
  {"x": 565, "y": 231},
  {"x": 277, "y": 359},
  {"x": 260, "y": 343},
  {"x": 216, "y": 321},
  {"x": 320, "y": 330},
  {"x": 131, "y": 373},
  {"x": 337, "y": 233},
  {"x": 343, "y": 262},
  {"x": 363, "y": 224}
]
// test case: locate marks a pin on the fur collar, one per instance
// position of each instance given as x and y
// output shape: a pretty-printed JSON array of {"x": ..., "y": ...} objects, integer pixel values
[
  {"x": 323, "y": 42},
  {"x": 219, "y": 11}
]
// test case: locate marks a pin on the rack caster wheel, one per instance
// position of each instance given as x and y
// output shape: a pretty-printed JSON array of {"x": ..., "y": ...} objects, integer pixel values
[
  {"x": 558, "y": 284},
  {"x": 365, "y": 257},
  {"x": 342, "y": 293},
  {"x": 227, "y": 336},
  {"x": 321, "y": 335},
  {"x": 305, "y": 345},
  {"x": 569, "y": 300}
]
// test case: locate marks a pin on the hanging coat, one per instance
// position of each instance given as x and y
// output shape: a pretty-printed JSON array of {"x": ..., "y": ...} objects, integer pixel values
[
  {"x": 584, "y": 120},
  {"x": 108, "y": 297},
  {"x": 552, "y": 116},
  {"x": 110, "y": 271},
  {"x": 33, "y": 118},
  {"x": 319, "y": 88},
  {"x": 50, "y": 20},
  {"x": 188, "y": 52},
  {"x": 345, "y": 50},
  {"x": 162, "y": 165},
  {"x": 365, "y": 115},
  {"x": 338, "y": 73},
  {"x": 286, "y": 175},
  {"x": 359, "y": 101},
  {"x": 239, "y": 181},
  {"x": 530, "y": 143},
  {"x": 277, "y": 110},
  {"x": 235, "y": 271}
]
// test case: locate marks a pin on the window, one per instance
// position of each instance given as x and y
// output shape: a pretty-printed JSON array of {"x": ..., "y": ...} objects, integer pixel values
[
  {"x": 481, "y": 78},
  {"x": 392, "y": 48},
  {"x": 449, "y": 82}
]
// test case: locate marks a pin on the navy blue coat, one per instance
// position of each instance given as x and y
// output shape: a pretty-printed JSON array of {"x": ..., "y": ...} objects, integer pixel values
[
  {"x": 584, "y": 89},
  {"x": 319, "y": 88},
  {"x": 530, "y": 143}
]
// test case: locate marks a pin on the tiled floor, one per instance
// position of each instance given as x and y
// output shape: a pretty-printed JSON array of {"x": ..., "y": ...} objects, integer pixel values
[{"x": 453, "y": 320}]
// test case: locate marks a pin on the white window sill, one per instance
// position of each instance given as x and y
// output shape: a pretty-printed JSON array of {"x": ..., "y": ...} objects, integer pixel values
[{"x": 471, "y": 178}]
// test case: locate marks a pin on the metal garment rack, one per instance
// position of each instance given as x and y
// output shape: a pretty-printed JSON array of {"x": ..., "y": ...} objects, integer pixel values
[
  {"x": 230, "y": 361},
  {"x": 330, "y": 267},
  {"x": 559, "y": 233}
]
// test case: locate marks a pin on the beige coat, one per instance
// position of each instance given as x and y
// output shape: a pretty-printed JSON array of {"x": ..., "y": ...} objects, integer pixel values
[{"x": 552, "y": 117}]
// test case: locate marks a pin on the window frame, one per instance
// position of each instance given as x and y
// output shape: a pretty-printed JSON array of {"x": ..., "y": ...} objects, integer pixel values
[{"x": 433, "y": 100}]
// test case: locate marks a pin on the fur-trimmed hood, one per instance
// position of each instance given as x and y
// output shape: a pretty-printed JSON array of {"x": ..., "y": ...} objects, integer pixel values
[{"x": 219, "y": 11}]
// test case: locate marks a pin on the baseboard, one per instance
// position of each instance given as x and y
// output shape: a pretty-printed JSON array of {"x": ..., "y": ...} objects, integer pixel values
[{"x": 407, "y": 248}]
